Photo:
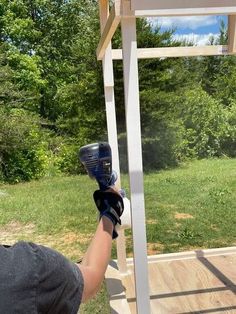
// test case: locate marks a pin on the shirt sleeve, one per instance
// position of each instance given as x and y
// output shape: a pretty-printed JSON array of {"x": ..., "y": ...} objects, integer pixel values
[{"x": 60, "y": 284}]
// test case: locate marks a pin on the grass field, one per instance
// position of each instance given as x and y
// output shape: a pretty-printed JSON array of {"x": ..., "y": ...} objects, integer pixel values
[{"x": 193, "y": 206}]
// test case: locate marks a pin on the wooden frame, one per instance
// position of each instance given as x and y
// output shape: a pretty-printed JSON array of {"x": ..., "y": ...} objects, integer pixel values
[
  {"x": 111, "y": 121},
  {"x": 171, "y": 52},
  {"x": 133, "y": 129},
  {"x": 232, "y": 33},
  {"x": 182, "y": 7},
  {"x": 126, "y": 11},
  {"x": 114, "y": 19},
  {"x": 109, "y": 29},
  {"x": 118, "y": 285},
  {"x": 188, "y": 255}
]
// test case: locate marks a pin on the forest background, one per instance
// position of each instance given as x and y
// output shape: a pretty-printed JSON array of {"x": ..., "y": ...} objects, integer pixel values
[{"x": 52, "y": 99}]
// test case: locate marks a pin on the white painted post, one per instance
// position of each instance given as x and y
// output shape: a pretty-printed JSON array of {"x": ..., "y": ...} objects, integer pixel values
[
  {"x": 111, "y": 125},
  {"x": 132, "y": 106}
]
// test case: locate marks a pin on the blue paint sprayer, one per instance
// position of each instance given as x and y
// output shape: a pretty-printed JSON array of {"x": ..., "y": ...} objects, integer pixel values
[{"x": 97, "y": 160}]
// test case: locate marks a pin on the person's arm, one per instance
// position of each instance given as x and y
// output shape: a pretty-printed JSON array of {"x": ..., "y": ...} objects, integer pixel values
[{"x": 96, "y": 259}]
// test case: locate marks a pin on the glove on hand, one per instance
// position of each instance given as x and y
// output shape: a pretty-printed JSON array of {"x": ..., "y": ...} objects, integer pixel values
[
  {"x": 105, "y": 183},
  {"x": 111, "y": 205}
]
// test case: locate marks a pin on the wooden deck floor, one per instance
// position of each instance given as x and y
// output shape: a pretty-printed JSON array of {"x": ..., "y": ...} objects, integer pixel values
[{"x": 183, "y": 283}]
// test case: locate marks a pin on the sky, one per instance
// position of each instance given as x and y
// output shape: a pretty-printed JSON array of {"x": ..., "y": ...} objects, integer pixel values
[{"x": 197, "y": 29}]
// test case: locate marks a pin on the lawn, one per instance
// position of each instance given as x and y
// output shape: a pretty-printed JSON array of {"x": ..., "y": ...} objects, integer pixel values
[{"x": 193, "y": 206}]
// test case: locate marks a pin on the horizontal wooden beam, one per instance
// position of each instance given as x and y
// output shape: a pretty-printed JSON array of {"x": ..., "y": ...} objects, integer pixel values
[
  {"x": 232, "y": 33},
  {"x": 109, "y": 30},
  {"x": 171, "y": 52},
  {"x": 169, "y": 257},
  {"x": 185, "y": 12},
  {"x": 182, "y": 7}
]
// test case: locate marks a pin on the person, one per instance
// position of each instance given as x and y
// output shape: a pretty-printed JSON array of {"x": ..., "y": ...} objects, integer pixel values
[{"x": 37, "y": 279}]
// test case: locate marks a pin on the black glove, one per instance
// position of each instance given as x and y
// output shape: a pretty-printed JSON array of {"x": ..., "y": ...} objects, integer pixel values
[
  {"x": 111, "y": 205},
  {"x": 105, "y": 183}
]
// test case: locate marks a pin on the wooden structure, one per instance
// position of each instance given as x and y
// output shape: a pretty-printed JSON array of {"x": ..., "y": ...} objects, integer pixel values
[
  {"x": 190, "y": 282},
  {"x": 125, "y": 12}
]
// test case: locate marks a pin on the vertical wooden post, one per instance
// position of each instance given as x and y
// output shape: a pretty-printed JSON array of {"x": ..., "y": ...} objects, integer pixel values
[
  {"x": 132, "y": 108},
  {"x": 108, "y": 77},
  {"x": 232, "y": 34}
]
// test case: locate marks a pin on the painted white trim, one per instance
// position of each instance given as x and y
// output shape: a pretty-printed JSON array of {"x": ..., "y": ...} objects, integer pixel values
[
  {"x": 187, "y": 255},
  {"x": 116, "y": 292},
  {"x": 132, "y": 109},
  {"x": 108, "y": 77}
]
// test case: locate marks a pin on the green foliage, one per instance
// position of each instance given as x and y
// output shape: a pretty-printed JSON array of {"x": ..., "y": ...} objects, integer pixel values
[
  {"x": 11, "y": 93},
  {"x": 66, "y": 158},
  {"x": 52, "y": 52},
  {"x": 21, "y": 145},
  {"x": 205, "y": 120},
  {"x": 195, "y": 125},
  {"x": 48, "y": 67},
  {"x": 229, "y": 141}
]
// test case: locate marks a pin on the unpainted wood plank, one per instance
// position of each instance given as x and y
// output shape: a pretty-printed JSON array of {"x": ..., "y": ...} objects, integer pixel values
[
  {"x": 129, "y": 283},
  {"x": 232, "y": 34},
  {"x": 108, "y": 76},
  {"x": 108, "y": 31},
  {"x": 182, "y": 7},
  {"x": 226, "y": 264},
  {"x": 188, "y": 286},
  {"x": 172, "y": 52}
]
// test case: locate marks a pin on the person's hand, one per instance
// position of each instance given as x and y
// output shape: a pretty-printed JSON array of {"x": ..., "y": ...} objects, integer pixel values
[
  {"x": 110, "y": 204},
  {"x": 104, "y": 182}
]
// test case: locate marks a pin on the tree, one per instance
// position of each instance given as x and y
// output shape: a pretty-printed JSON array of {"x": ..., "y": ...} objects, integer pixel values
[{"x": 52, "y": 48}]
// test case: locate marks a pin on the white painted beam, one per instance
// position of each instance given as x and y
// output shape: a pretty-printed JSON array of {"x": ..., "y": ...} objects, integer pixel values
[
  {"x": 232, "y": 34},
  {"x": 171, "y": 52},
  {"x": 109, "y": 29},
  {"x": 133, "y": 128},
  {"x": 169, "y": 257},
  {"x": 182, "y": 7},
  {"x": 108, "y": 78}
]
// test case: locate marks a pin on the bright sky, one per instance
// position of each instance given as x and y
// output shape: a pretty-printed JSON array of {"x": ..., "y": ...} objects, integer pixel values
[{"x": 195, "y": 28}]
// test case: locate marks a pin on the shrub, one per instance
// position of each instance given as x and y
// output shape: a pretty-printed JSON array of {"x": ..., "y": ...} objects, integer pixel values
[
  {"x": 199, "y": 126},
  {"x": 206, "y": 123},
  {"x": 229, "y": 140},
  {"x": 66, "y": 157},
  {"x": 21, "y": 146}
]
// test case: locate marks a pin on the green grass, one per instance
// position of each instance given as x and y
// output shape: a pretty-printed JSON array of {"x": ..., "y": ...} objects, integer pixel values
[
  {"x": 204, "y": 191},
  {"x": 193, "y": 206}
]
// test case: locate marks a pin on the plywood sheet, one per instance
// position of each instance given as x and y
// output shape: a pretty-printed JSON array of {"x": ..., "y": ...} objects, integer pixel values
[{"x": 196, "y": 285}]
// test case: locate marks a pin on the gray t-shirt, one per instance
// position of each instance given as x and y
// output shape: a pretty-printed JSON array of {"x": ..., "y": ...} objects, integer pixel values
[{"x": 37, "y": 280}]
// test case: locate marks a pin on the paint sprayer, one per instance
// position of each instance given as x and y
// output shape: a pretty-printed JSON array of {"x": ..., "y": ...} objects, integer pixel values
[{"x": 97, "y": 160}]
